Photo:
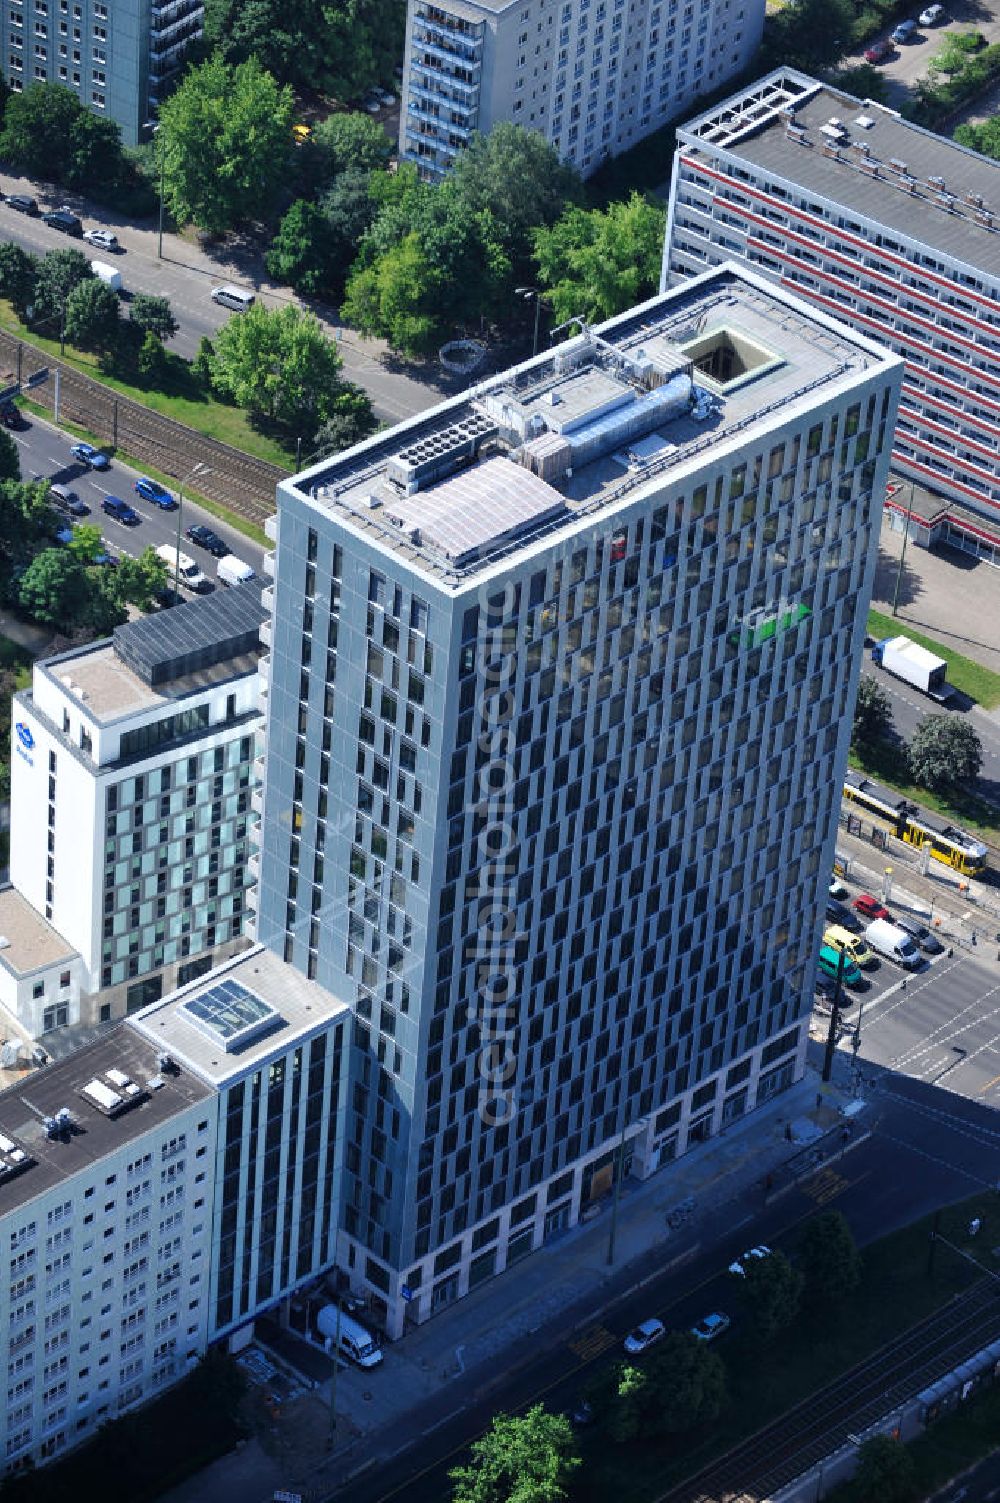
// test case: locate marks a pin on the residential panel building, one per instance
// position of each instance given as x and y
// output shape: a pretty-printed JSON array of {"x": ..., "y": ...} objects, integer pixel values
[
  {"x": 887, "y": 226},
  {"x": 560, "y": 696},
  {"x": 117, "y": 57},
  {"x": 131, "y": 785},
  {"x": 591, "y": 76}
]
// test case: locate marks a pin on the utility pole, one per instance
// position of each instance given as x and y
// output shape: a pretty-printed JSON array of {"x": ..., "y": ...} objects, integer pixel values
[
  {"x": 619, "y": 1170},
  {"x": 831, "y": 1037}
]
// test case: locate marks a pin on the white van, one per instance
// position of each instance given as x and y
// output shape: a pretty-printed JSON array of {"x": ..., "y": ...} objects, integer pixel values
[
  {"x": 107, "y": 274},
  {"x": 233, "y": 297},
  {"x": 355, "y": 1342},
  {"x": 188, "y": 573},
  {"x": 233, "y": 571},
  {"x": 895, "y": 944}
]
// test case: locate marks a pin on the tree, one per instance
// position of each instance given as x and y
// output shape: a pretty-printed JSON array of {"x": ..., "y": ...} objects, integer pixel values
[
  {"x": 18, "y": 273},
  {"x": 138, "y": 581},
  {"x": 829, "y": 1259},
  {"x": 280, "y": 366},
  {"x": 945, "y": 753},
  {"x": 50, "y": 135},
  {"x": 872, "y": 714},
  {"x": 54, "y": 589},
  {"x": 954, "y": 53},
  {"x": 863, "y": 80},
  {"x": 25, "y": 524},
  {"x": 522, "y": 1459},
  {"x": 348, "y": 211},
  {"x": 153, "y": 315},
  {"x": 596, "y": 263},
  {"x": 58, "y": 273},
  {"x": 400, "y": 297},
  {"x": 151, "y": 358},
  {"x": 86, "y": 543},
  {"x": 886, "y": 1472},
  {"x": 224, "y": 143},
  {"x": 352, "y": 143},
  {"x": 334, "y": 47},
  {"x": 92, "y": 312},
  {"x": 338, "y": 432},
  {"x": 300, "y": 252},
  {"x": 808, "y": 35},
  {"x": 984, "y": 138},
  {"x": 772, "y": 1293},
  {"x": 10, "y": 457},
  {"x": 683, "y": 1384}
]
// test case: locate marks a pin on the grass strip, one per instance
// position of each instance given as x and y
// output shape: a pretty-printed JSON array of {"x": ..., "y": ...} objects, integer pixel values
[
  {"x": 967, "y": 676},
  {"x": 897, "y": 1291}
]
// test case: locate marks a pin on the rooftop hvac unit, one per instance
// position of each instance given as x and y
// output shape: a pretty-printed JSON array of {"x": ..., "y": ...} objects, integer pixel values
[
  {"x": 975, "y": 199},
  {"x": 870, "y": 168},
  {"x": 937, "y": 182},
  {"x": 898, "y": 166},
  {"x": 832, "y": 150},
  {"x": 946, "y": 201},
  {"x": 862, "y": 148},
  {"x": 985, "y": 218},
  {"x": 165, "y": 1064}
]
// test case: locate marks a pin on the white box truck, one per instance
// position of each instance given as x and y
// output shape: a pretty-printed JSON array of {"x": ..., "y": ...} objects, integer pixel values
[
  {"x": 895, "y": 944},
  {"x": 188, "y": 573},
  {"x": 233, "y": 571},
  {"x": 107, "y": 274},
  {"x": 355, "y": 1342},
  {"x": 914, "y": 665}
]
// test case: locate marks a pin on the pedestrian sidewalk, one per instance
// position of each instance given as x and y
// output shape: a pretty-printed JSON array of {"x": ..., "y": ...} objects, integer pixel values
[
  {"x": 959, "y": 909},
  {"x": 556, "y": 1295}
]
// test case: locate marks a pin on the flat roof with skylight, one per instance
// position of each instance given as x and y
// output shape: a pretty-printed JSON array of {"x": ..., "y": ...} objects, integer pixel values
[{"x": 561, "y": 438}]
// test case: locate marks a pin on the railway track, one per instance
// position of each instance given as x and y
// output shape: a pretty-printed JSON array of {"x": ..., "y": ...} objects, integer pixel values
[
  {"x": 775, "y": 1456},
  {"x": 242, "y": 483}
]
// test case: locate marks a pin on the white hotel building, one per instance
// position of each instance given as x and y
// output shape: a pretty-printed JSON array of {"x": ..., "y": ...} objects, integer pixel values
[
  {"x": 573, "y": 656},
  {"x": 591, "y": 76},
  {"x": 132, "y": 776},
  {"x": 887, "y": 226}
]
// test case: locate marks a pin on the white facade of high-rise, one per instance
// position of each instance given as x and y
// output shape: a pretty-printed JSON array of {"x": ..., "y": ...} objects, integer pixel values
[{"x": 591, "y": 76}]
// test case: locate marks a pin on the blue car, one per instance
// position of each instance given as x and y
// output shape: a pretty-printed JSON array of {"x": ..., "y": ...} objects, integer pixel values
[
  {"x": 64, "y": 535},
  {"x": 94, "y": 459},
  {"x": 158, "y": 494},
  {"x": 121, "y": 511}
]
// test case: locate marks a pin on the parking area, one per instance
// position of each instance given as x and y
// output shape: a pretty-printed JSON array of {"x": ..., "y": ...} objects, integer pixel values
[{"x": 908, "y": 60}]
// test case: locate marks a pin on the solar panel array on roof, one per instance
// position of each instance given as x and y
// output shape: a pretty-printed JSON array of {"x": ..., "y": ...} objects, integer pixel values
[
  {"x": 481, "y": 505},
  {"x": 191, "y": 637},
  {"x": 231, "y": 1015}
]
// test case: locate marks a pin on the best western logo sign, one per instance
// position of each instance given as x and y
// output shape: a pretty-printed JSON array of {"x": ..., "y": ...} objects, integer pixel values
[{"x": 25, "y": 742}]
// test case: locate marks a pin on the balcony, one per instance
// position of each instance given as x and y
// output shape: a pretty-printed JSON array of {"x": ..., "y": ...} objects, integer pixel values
[
  {"x": 253, "y": 865},
  {"x": 257, "y": 801},
  {"x": 251, "y": 900},
  {"x": 265, "y": 626},
  {"x": 451, "y": 58},
  {"x": 271, "y": 527},
  {"x": 436, "y": 75},
  {"x": 268, "y": 565}
]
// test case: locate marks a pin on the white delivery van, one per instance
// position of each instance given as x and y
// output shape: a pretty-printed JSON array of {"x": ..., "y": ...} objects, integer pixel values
[
  {"x": 895, "y": 944},
  {"x": 233, "y": 297},
  {"x": 188, "y": 573},
  {"x": 107, "y": 274},
  {"x": 233, "y": 571},
  {"x": 355, "y": 1342}
]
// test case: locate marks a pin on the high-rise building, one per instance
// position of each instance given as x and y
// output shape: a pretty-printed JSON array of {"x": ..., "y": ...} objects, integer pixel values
[
  {"x": 591, "y": 76},
  {"x": 560, "y": 698},
  {"x": 886, "y": 226},
  {"x": 158, "y": 1188},
  {"x": 117, "y": 57},
  {"x": 131, "y": 783}
]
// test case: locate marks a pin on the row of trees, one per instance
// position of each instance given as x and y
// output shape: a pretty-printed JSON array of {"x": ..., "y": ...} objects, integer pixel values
[
  {"x": 51, "y": 137},
  {"x": 944, "y": 754}
]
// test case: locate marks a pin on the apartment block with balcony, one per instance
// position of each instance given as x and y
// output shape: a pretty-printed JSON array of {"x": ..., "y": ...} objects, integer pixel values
[
  {"x": 131, "y": 789},
  {"x": 559, "y": 694},
  {"x": 118, "y": 57},
  {"x": 592, "y": 76},
  {"x": 887, "y": 226}
]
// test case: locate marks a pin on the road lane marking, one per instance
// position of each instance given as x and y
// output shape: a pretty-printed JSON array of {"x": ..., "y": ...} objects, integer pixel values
[{"x": 592, "y": 1343}]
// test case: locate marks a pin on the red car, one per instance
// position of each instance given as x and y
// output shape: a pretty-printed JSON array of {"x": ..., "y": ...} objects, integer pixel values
[
  {"x": 870, "y": 907},
  {"x": 879, "y": 51}
]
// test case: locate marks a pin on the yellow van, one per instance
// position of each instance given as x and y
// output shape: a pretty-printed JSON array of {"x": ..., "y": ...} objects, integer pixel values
[{"x": 852, "y": 944}]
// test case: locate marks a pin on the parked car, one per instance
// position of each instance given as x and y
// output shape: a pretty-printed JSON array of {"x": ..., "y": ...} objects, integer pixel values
[
  {"x": 879, "y": 51},
  {"x": 387, "y": 97},
  {"x": 644, "y": 1336},
  {"x": 824, "y": 987},
  {"x": 121, "y": 511},
  {"x": 839, "y": 913},
  {"x": 23, "y": 203},
  {"x": 931, "y": 16},
  {"x": 739, "y": 1267},
  {"x": 837, "y": 888},
  {"x": 12, "y": 417},
  {"x": 711, "y": 1326},
  {"x": 928, "y": 942},
  {"x": 64, "y": 219},
  {"x": 106, "y": 560},
  {"x": 153, "y": 491},
  {"x": 94, "y": 459},
  {"x": 829, "y": 962},
  {"x": 301, "y": 133},
  {"x": 870, "y": 907},
  {"x": 372, "y": 104},
  {"x": 904, "y": 31},
  {"x": 64, "y": 535},
  {"x": 583, "y": 1414},
  {"x": 67, "y": 501},
  {"x": 852, "y": 944},
  {"x": 204, "y": 537},
  {"x": 103, "y": 239}
]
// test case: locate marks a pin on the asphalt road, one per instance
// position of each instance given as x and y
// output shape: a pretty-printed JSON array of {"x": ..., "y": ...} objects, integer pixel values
[
  {"x": 926, "y": 1150},
  {"x": 45, "y": 454},
  {"x": 910, "y": 59},
  {"x": 910, "y": 707}
]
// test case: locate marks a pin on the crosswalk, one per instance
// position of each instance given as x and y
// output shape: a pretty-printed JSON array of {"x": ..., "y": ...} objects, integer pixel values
[
  {"x": 592, "y": 1343},
  {"x": 824, "y": 1186}
]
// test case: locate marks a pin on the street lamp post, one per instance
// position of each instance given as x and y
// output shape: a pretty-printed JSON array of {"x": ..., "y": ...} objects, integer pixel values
[
  {"x": 902, "y": 556},
  {"x": 150, "y": 126},
  {"x": 199, "y": 469},
  {"x": 528, "y": 293}
]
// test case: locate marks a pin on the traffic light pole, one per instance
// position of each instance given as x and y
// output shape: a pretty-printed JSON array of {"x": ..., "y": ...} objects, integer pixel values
[{"x": 831, "y": 1037}]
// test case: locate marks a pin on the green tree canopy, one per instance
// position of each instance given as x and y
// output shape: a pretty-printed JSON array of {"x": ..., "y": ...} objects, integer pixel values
[
  {"x": 51, "y": 136},
  {"x": 59, "y": 271},
  {"x": 92, "y": 313},
  {"x": 25, "y": 524},
  {"x": 886, "y": 1472},
  {"x": 333, "y": 47},
  {"x": 18, "y": 273},
  {"x": 527, "y": 1458},
  {"x": 224, "y": 143},
  {"x": 945, "y": 752},
  {"x": 348, "y": 209},
  {"x": 771, "y": 1290},
  {"x": 596, "y": 263},
  {"x": 86, "y": 543},
  {"x": 300, "y": 252},
  {"x": 152, "y": 315},
  {"x": 807, "y": 35},
  {"x": 872, "y": 714},
  {"x": 984, "y": 138},
  {"x": 10, "y": 457},
  {"x": 682, "y": 1384},
  {"x": 55, "y": 590},
  {"x": 280, "y": 366},
  {"x": 399, "y": 296},
  {"x": 138, "y": 581},
  {"x": 352, "y": 143},
  {"x": 829, "y": 1259}
]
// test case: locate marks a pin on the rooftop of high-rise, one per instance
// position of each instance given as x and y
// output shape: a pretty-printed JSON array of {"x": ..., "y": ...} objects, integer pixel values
[
  {"x": 547, "y": 445},
  {"x": 864, "y": 156}
]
